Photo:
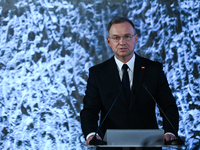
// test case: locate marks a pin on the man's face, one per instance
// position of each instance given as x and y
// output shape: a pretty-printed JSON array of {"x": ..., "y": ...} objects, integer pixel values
[{"x": 123, "y": 49}]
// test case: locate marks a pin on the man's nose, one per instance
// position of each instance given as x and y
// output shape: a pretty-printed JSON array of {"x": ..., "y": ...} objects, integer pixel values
[{"x": 122, "y": 40}]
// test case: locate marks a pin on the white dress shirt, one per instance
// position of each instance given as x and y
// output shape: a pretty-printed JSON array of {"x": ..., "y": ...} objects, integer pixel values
[{"x": 131, "y": 64}]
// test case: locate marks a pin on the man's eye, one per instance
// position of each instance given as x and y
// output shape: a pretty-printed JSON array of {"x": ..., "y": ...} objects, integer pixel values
[
  {"x": 127, "y": 37},
  {"x": 116, "y": 38}
]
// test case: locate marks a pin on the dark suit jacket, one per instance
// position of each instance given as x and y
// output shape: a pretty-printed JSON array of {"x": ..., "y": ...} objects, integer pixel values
[{"x": 103, "y": 86}]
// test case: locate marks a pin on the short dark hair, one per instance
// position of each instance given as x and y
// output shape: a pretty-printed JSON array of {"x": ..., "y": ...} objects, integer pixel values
[{"x": 119, "y": 20}]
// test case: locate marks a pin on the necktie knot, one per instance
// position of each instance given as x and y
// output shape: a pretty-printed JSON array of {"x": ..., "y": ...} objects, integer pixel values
[{"x": 125, "y": 67}]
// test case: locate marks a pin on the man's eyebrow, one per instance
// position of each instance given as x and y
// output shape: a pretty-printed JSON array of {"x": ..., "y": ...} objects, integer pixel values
[
  {"x": 115, "y": 35},
  {"x": 123, "y": 35}
]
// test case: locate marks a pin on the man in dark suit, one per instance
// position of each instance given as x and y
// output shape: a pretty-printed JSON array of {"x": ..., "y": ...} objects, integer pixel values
[{"x": 134, "y": 109}]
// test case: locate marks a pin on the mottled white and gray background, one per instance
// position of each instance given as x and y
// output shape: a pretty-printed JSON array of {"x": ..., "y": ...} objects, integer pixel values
[{"x": 47, "y": 47}]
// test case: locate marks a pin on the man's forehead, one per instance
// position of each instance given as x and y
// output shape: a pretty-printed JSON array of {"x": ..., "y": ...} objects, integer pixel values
[{"x": 121, "y": 28}]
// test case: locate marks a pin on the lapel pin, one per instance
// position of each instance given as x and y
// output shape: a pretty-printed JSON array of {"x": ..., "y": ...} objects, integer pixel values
[{"x": 142, "y": 67}]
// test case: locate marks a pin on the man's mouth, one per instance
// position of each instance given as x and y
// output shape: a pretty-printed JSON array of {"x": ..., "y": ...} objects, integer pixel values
[{"x": 123, "y": 49}]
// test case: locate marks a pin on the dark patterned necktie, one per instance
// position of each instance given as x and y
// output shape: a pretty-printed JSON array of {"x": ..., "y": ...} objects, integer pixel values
[{"x": 126, "y": 82}]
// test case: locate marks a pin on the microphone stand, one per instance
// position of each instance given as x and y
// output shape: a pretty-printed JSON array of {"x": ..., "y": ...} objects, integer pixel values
[
  {"x": 177, "y": 141},
  {"x": 96, "y": 141}
]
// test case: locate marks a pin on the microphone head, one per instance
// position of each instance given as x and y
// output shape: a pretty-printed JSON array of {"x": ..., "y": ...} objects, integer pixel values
[
  {"x": 144, "y": 85},
  {"x": 93, "y": 141},
  {"x": 121, "y": 87},
  {"x": 96, "y": 141}
]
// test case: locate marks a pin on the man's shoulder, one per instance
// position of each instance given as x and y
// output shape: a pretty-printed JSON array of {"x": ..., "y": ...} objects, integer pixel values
[
  {"x": 148, "y": 61},
  {"x": 103, "y": 65}
]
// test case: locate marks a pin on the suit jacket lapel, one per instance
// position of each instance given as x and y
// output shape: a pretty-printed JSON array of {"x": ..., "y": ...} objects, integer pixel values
[
  {"x": 113, "y": 77},
  {"x": 139, "y": 73}
]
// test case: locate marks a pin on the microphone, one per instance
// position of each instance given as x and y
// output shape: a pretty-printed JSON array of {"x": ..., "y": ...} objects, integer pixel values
[
  {"x": 177, "y": 141},
  {"x": 96, "y": 141}
]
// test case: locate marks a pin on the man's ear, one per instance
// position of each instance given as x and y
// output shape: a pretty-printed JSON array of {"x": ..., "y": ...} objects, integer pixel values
[{"x": 108, "y": 41}]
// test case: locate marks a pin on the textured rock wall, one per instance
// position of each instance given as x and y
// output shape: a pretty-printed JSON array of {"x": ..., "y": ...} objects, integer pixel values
[{"x": 47, "y": 47}]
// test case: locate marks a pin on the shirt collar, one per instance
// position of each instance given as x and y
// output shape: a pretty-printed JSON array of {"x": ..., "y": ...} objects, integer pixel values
[{"x": 130, "y": 63}]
